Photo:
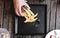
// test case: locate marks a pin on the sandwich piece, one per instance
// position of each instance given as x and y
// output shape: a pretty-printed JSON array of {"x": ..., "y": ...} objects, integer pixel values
[{"x": 29, "y": 15}]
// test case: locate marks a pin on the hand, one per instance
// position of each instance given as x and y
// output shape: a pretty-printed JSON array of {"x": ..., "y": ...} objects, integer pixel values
[{"x": 17, "y": 6}]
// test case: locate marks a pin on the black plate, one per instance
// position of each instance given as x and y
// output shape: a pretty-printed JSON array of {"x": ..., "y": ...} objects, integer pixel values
[{"x": 37, "y": 27}]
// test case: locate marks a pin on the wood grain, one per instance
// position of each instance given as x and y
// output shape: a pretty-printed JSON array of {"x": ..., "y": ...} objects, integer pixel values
[
  {"x": 53, "y": 16},
  {"x": 1, "y": 13}
]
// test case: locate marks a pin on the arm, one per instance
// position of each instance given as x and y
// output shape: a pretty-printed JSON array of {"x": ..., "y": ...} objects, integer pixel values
[{"x": 17, "y": 6}]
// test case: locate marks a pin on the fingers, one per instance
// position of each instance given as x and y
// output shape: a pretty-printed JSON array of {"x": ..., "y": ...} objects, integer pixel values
[
  {"x": 17, "y": 13},
  {"x": 27, "y": 5},
  {"x": 20, "y": 11}
]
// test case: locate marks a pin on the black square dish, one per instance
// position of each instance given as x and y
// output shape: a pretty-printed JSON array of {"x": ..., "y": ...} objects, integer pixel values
[{"x": 37, "y": 27}]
